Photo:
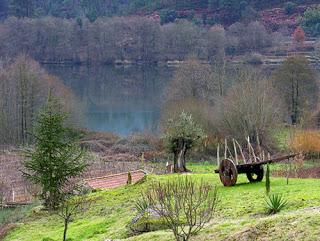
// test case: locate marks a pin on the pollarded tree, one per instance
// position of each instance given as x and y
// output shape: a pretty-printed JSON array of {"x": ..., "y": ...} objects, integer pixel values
[
  {"x": 56, "y": 156},
  {"x": 181, "y": 135},
  {"x": 297, "y": 83}
]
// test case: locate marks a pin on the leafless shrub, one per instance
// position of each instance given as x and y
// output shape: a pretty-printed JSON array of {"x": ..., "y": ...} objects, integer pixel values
[{"x": 185, "y": 205}]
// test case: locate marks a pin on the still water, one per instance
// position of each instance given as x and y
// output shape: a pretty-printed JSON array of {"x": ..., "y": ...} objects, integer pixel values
[{"x": 122, "y": 100}]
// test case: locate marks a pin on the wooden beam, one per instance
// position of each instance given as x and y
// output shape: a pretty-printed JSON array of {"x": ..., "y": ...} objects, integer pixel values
[{"x": 235, "y": 151}]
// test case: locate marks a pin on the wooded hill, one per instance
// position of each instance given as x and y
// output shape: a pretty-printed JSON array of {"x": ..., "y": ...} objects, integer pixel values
[{"x": 216, "y": 11}]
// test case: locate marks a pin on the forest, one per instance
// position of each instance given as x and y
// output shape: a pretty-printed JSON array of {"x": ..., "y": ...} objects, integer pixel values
[
  {"x": 133, "y": 39},
  {"x": 98, "y": 8}
]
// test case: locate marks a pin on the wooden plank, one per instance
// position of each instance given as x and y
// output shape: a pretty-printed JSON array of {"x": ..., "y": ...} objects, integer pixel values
[{"x": 272, "y": 160}]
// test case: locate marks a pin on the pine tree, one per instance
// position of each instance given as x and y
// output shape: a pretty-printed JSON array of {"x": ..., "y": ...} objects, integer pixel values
[{"x": 56, "y": 157}]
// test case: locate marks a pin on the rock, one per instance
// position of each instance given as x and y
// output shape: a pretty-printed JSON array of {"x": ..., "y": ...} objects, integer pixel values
[{"x": 147, "y": 221}]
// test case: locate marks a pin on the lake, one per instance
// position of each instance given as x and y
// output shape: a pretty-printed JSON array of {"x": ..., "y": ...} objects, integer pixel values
[{"x": 122, "y": 100}]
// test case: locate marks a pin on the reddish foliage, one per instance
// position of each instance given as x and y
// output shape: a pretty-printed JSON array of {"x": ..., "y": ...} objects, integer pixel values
[
  {"x": 299, "y": 37},
  {"x": 276, "y": 18}
]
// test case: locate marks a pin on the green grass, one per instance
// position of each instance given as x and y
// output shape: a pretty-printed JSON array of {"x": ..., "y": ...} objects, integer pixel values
[{"x": 241, "y": 213}]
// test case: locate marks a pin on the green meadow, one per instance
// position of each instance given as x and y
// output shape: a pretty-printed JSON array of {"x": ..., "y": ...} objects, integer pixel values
[{"x": 240, "y": 215}]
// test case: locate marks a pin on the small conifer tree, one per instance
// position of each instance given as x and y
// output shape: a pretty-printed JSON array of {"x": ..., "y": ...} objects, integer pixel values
[
  {"x": 56, "y": 157},
  {"x": 268, "y": 180}
]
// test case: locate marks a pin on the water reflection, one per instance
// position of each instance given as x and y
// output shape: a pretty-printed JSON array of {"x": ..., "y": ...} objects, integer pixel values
[{"x": 122, "y": 100}]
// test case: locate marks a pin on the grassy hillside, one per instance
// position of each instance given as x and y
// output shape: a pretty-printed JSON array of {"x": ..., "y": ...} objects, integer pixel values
[{"x": 240, "y": 214}]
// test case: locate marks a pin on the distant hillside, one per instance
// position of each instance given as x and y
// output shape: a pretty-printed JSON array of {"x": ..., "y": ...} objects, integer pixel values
[{"x": 211, "y": 11}]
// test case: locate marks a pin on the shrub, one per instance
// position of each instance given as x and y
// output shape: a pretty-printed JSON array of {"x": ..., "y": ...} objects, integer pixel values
[
  {"x": 254, "y": 59},
  {"x": 275, "y": 203},
  {"x": 307, "y": 142},
  {"x": 167, "y": 16},
  {"x": 14, "y": 215},
  {"x": 141, "y": 205},
  {"x": 310, "y": 21},
  {"x": 290, "y": 7},
  {"x": 185, "y": 205}
]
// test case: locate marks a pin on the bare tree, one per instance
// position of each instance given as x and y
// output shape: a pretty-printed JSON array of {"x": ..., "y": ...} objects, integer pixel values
[
  {"x": 72, "y": 206},
  {"x": 192, "y": 80},
  {"x": 297, "y": 82},
  {"x": 250, "y": 108},
  {"x": 24, "y": 88},
  {"x": 185, "y": 205}
]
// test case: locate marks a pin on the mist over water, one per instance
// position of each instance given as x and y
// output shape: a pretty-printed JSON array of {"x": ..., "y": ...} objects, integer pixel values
[{"x": 122, "y": 100}]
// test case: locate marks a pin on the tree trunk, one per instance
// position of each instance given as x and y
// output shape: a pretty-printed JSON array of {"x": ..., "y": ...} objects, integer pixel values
[
  {"x": 66, "y": 221},
  {"x": 179, "y": 157}
]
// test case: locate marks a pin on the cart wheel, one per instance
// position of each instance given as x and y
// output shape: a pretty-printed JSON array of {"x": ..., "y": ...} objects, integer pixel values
[
  {"x": 256, "y": 174},
  {"x": 228, "y": 172}
]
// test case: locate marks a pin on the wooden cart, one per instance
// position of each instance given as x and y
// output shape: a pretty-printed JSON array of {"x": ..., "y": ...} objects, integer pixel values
[{"x": 229, "y": 168}]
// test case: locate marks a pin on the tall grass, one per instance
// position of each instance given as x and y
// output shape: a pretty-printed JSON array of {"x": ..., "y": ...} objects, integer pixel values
[
  {"x": 307, "y": 142},
  {"x": 12, "y": 215}
]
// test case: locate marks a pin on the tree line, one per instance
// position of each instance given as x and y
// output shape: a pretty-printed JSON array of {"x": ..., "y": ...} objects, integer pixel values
[
  {"x": 241, "y": 101},
  {"x": 234, "y": 10},
  {"x": 109, "y": 40},
  {"x": 24, "y": 87}
]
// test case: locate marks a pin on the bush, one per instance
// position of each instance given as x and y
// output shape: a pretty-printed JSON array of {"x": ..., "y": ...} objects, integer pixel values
[
  {"x": 275, "y": 203},
  {"x": 167, "y": 16},
  {"x": 141, "y": 205},
  {"x": 14, "y": 215},
  {"x": 254, "y": 59},
  {"x": 290, "y": 7},
  {"x": 310, "y": 21},
  {"x": 185, "y": 205},
  {"x": 307, "y": 142}
]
